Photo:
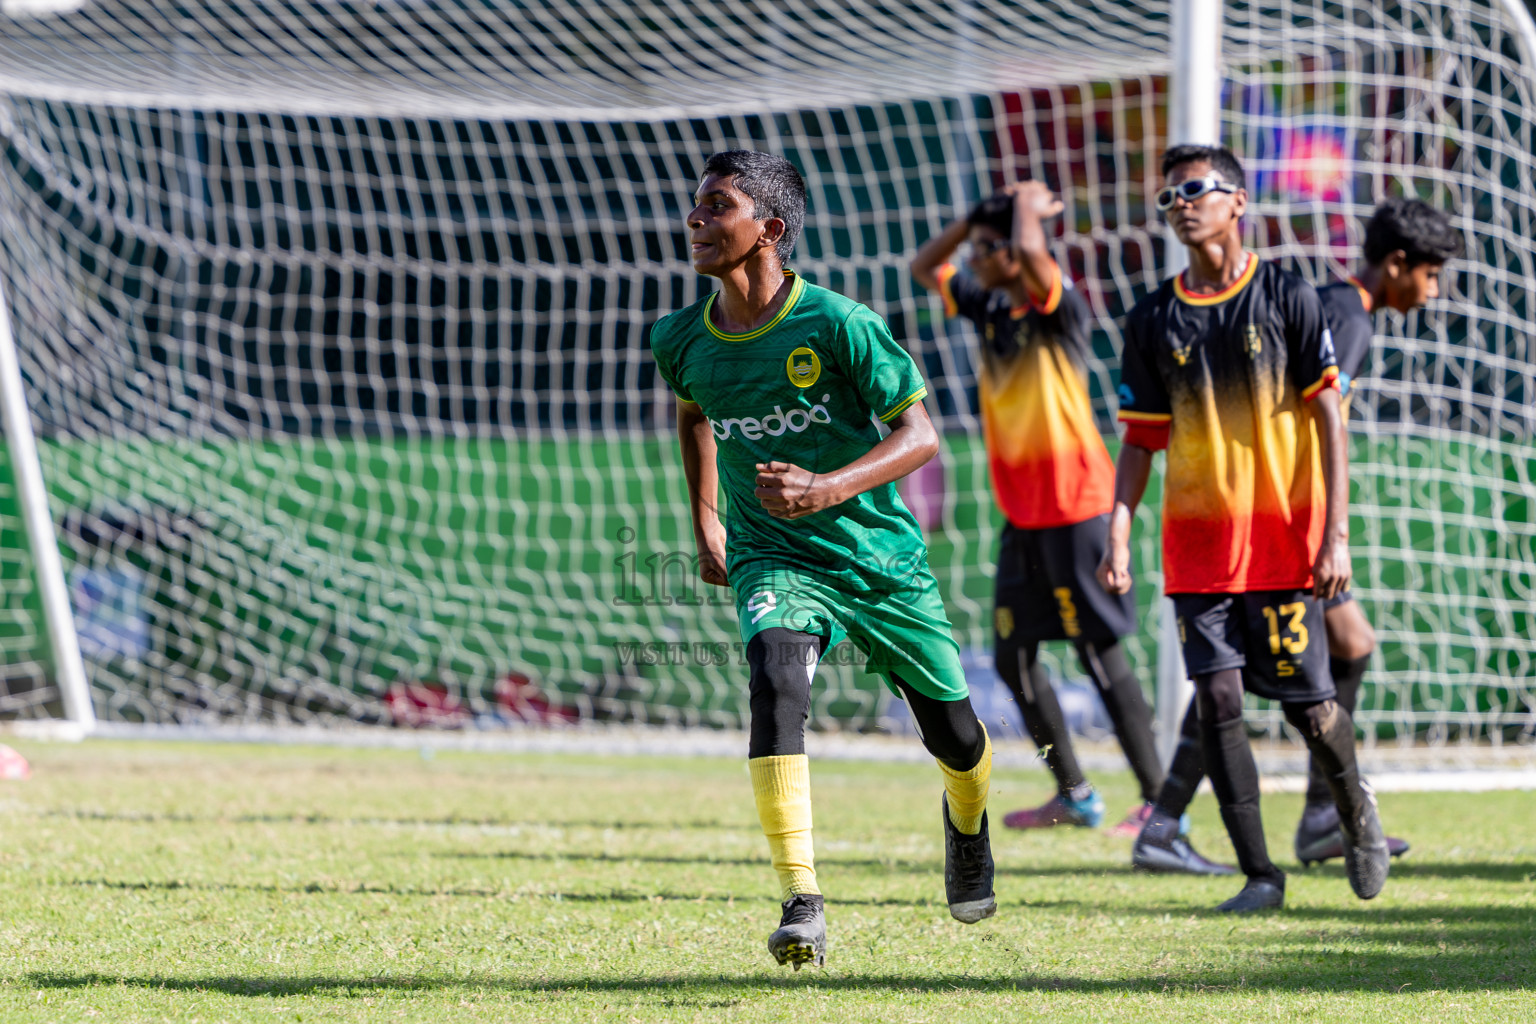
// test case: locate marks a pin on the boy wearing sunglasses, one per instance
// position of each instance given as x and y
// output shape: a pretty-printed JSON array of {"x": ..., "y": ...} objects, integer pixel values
[
  {"x": 1052, "y": 478},
  {"x": 1230, "y": 368},
  {"x": 1407, "y": 243}
]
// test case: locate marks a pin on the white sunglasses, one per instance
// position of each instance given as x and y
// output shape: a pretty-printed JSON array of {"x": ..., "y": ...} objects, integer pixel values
[{"x": 1191, "y": 190}]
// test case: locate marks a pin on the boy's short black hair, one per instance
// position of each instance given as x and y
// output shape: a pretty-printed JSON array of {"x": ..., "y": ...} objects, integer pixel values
[
  {"x": 995, "y": 212},
  {"x": 1219, "y": 157},
  {"x": 774, "y": 186},
  {"x": 1423, "y": 233}
]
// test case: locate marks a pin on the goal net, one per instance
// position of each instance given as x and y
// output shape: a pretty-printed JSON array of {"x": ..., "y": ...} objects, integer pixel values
[{"x": 332, "y": 317}]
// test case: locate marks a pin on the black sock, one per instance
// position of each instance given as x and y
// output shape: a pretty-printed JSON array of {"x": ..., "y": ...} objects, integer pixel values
[
  {"x": 1347, "y": 673},
  {"x": 1185, "y": 770},
  {"x": 1127, "y": 707},
  {"x": 1235, "y": 778},
  {"x": 1020, "y": 668},
  {"x": 1330, "y": 735}
]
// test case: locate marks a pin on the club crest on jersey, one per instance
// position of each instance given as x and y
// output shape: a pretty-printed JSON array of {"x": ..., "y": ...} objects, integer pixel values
[
  {"x": 1252, "y": 341},
  {"x": 803, "y": 367},
  {"x": 1181, "y": 354}
]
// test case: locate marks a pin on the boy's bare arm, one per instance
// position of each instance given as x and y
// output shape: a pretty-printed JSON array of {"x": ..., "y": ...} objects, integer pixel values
[
  {"x": 1133, "y": 468},
  {"x": 1033, "y": 203},
  {"x": 789, "y": 492},
  {"x": 936, "y": 252},
  {"x": 697, "y": 440}
]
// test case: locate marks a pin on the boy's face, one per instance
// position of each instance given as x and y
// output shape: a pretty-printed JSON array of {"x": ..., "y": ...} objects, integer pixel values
[
  {"x": 1408, "y": 288},
  {"x": 1209, "y": 217},
  {"x": 721, "y": 228},
  {"x": 991, "y": 259}
]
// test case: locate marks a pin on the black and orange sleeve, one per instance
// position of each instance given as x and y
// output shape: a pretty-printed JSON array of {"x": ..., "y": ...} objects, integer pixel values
[
  {"x": 1349, "y": 322},
  {"x": 1313, "y": 364},
  {"x": 1048, "y": 303},
  {"x": 961, "y": 294},
  {"x": 1144, "y": 406}
]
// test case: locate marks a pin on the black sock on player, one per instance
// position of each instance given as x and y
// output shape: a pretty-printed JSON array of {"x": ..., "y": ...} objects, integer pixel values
[
  {"x": 1185, "y": 770},
  {"x": 1234, "y": 774},
  {"x": 1347, "y": 674},
  {"x": 1118, "y": 688},
  {"x": 1019, "y": 665},
  {"x": 1329, "y": 732}
]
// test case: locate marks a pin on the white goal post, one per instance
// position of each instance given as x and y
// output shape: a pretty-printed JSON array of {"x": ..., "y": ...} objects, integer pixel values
[{"x": 330, "y": 317}]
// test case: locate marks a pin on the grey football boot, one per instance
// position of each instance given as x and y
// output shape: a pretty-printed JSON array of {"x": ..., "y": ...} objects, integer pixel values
[
  {"x": 1367, "y": 857},
  {"x": 801, "y": 937}
]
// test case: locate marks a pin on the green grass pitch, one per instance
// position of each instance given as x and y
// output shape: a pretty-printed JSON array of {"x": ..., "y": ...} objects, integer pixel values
[{"x": 181, "y": 882}]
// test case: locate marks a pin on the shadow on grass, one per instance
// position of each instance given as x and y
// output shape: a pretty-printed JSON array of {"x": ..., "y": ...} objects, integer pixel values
[
  {"x": 1518, "y": 872},
  {"x": 470, "y": 892},
  {"x": 447, "y": 821},
  {"x": 1316, "y": 971},
  {"x": 698, "y": 860},
  {"x": 890, "y": 865},
  {"x": 1494, "y": 926}
]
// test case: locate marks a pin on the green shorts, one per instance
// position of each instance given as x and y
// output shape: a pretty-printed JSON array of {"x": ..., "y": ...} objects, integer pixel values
[{"x": 903, "y": 632}]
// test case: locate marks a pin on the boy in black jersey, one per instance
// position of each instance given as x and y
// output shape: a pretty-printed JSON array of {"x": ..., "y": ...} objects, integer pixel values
[
  {"x": 1230, "y": 367},
  {"x": 1407, "y": 243}
]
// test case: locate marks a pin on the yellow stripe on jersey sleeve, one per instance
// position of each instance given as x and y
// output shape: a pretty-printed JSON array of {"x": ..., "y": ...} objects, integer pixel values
[{"x": 905, "y": 404}]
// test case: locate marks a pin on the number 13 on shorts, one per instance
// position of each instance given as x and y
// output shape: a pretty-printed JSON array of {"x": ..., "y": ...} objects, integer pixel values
[{"x": 1286, "y": 631}]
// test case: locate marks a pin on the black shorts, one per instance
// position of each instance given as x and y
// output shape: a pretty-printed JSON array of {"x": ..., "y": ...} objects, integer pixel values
[
  {"x": 1046, "y": 588},
  {"x": 1342, "y": 597},
  {"x": 1276, "y": 637}
]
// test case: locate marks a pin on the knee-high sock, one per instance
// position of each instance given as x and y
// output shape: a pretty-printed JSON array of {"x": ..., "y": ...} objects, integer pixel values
[
  {"x": 967, "y": 791},
  {"x": 1107, "y": 666},
  {"x": 1020, "y": 668},
  {"x": 1235, "y": 778},
  {"x": 782, "y": 787},
  {"x": 1347, "y": 674},
  {"x": 1185, "y": 770},
  {"x": 1330, "y": 734}
]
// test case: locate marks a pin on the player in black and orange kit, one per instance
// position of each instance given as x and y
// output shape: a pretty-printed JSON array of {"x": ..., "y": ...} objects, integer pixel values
[
  {"x": 1053, "y": 479},
  {"x": 1230, "y": 368},
  {"x": 1407, "y": 243}
]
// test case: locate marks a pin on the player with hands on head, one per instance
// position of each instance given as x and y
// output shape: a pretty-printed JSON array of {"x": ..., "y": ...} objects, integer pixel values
[
  {"x": 1053, "y": 480},
  {"x": 778, "y": 385},
  {"x": 1230, "y": 368}
]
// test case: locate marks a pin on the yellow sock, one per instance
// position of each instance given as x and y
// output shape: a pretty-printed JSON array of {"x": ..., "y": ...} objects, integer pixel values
[
  {"x": 967, "y": 791},
  {"x": 782, "y": 788}
]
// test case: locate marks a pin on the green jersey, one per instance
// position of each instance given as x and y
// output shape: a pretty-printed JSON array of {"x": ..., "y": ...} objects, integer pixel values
[{"x": 805, "y": 389}]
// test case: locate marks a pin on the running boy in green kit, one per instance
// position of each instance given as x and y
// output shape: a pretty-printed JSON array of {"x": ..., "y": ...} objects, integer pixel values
[{"x": 779, "y": 384}]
